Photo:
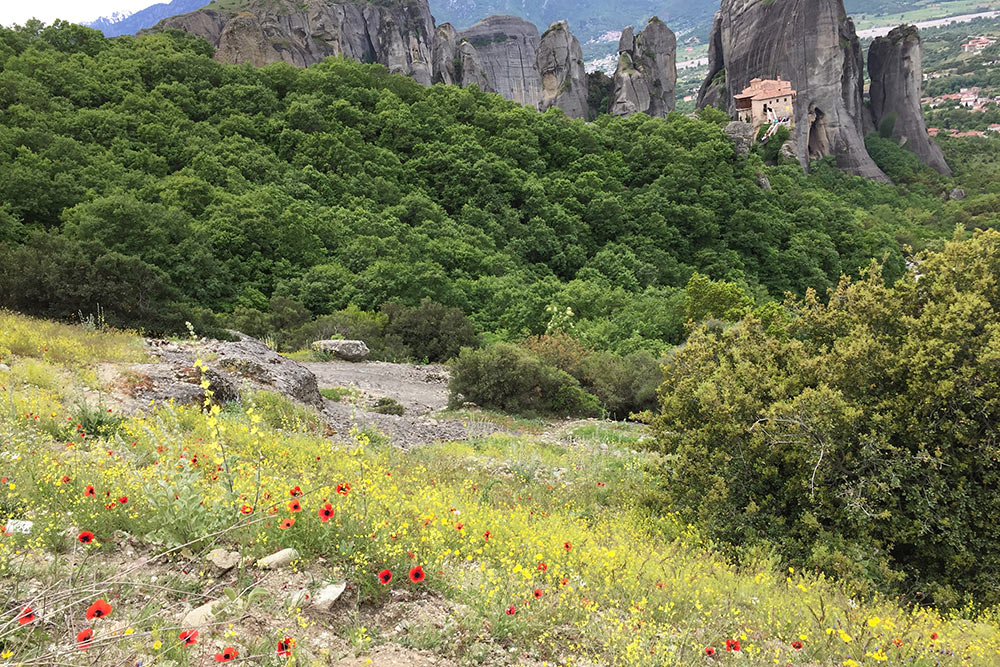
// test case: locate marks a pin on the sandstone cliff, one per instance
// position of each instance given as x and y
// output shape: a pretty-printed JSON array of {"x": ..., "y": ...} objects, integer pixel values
[
  {"x": 398, "y": 36},
  {"x": 507, "y": 48},
  {"x": 894, "y": 65},
  {"x": 811, "y": 43},
  {"x": 647, "y": 71},
  {"x": 560, "y": 65}
]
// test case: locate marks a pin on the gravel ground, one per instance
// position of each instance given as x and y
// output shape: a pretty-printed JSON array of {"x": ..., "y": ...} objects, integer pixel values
[{"x": 422, "y": 390}]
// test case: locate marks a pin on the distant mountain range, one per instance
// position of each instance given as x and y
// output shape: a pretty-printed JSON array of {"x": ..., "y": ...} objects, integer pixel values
[{"x": 129, "y": 24}]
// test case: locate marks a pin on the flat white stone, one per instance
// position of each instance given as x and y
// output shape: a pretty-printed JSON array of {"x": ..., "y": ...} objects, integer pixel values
[{"x": 279, "y": 559}]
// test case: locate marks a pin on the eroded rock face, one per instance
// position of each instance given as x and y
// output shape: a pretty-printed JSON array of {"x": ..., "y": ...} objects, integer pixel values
[
  {"x": 305, "y": 32},
  {"x": 455, "y": 61},
  {"x": 507, "y": 52},
  {"x": 811, "y": 43},
  {"x": 894, "y": 65},
  {"x": 647, "y": 71},
  {"x": 560, "y": 65}
]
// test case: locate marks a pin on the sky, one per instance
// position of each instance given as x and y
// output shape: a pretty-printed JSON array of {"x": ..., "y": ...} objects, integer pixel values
[{"x": 19, "y": 11}]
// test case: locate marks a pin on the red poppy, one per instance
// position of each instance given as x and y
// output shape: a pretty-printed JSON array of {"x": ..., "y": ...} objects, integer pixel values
[
  {"x": 564, "y": 582},
  {"x": 326, "y": 512},
  {"x": 567, "y": 546},
  {"x": 294, "y": 506},
  {"x": 88, "y": 492},
  {"x": 27, "y": 616},
  {"x": 343, "y": 489},
  {"x": 246, "y": 509},
  {"x": 84, "y": 638},
  {"x": 709, "y": 650},
  {"x": 511, "y": 610},
  {"x": 732, "y": 644},
  {"x": 285, "y": 647},
  {"x": 86, "y": 537},
  {"x": 65, "y": 479},
  {"x": 537, "y": 593},
  {"x": 99, "y": 609},
  {"x": 797, "y": 645},
  {"x": 295, "y": 491},
  {"x": 459, "y": 526},
  {"x": 226, "y": 655},
  {"x": 542, "y": 567},
  {"x": 188, "y": 637},
  {"x": 384, "y": 577},
  {"x": 287, "y": 523},
  {"x": 934, "y": 636},
  {"x": 487, "y": 535},
  {"x": 123, "y": 500},
  {"x": 417, "y": 575},
  {"x": 897, "y": 641}
]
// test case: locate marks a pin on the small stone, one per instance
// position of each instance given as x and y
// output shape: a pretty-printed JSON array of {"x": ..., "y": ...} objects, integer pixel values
[
  {"x": 279, "y": 559},
  {"x": 223, "y": 559},
  {"x": 200, "y": 615},
  {"x": 958, "y": 194},
  {"x": 329, "y": 594},
  {"x": 4, "y": 368}
]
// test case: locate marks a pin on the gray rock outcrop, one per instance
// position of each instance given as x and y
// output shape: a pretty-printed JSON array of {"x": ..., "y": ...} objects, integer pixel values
[
  {"x": 507, "y": 51},
  {"x": 741, "y": 134},
  {"x": 348, "y": 350},
  {"x": 894, "y": 66},
  {"x": 455, "y": 61},
  {"x": 647, "y": 71},
  {"x": 306, "y": 32},
  {"x": 560, "y": 65},
  {"x": 811, "y": 43}
]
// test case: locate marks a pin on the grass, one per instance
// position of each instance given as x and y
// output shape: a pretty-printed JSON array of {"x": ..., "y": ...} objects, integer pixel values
[
  {"x": 338, "y": 394},
  {"x": 535, "y": 548}
]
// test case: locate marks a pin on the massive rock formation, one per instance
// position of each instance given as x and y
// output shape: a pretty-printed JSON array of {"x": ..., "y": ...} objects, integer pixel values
[
  {"x": 896, "y": 78},
  {"x": 811, "y": 43},
  {"x": 505, "y": 55},
  {"x": 302, "y": 32},
  {"x": 647, "y": 71},
  {"x": 507, "y": 48},
  {"x": 500, "y": 54},
  {"x": 560, "y": 64}
]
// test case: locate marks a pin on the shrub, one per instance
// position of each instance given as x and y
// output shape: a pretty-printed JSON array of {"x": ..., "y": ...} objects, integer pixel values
[
  {"x": 509, "y": 378},
  {"x": 625, "y": 385},
  {"x": 352, "y": 323},
  {"x": 430, "y": 331},
  {"x": 859, "y": 441},
  {"x": 561, "y": 351},
  {"x": 389, "y": 406}
]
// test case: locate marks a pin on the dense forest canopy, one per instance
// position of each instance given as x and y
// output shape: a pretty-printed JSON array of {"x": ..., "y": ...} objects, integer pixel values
[{"x": 145, "y": 179}]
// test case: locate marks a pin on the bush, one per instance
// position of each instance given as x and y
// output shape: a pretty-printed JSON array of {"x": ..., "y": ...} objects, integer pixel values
[
  {"x": 509, "y": 378},
  {"x": 861, "y": 439},
  {"x": 389, "y": 406},
  {"x": 430, "y": 331}
]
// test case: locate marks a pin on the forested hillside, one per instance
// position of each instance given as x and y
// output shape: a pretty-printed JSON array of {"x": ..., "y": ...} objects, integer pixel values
[{"x": 144, "y": 179}]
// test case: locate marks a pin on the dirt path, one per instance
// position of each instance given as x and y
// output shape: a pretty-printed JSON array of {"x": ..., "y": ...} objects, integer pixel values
[{"x": 421, "y": 389}]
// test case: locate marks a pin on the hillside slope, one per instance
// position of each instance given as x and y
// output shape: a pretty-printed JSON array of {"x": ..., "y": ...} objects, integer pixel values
[{"x": 509, "y": 549}]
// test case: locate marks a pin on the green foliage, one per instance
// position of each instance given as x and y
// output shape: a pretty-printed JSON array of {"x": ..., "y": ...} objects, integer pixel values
[
  {"x": 771, "y": 151},
  {"x": 888, "y": 125},
  {"x": 430, "y": 331},
  {"x": 855, "y": 436},
  {"x": 509, "y": 378},
  {"x": 389, "y": 406},
  {"x": 144, "y": 178},
  {"x": 708, "y": 299}
]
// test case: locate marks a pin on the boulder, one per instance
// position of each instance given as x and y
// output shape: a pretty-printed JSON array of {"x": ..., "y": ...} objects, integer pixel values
[
  {"x": 200, "y": 616},
  {"x": 894, "y": 66},
  {"x": 647, "y": 71},
  {"x": 4, "y": 368},
  {"x": 957, "y": 194},
  {"x": 560, "y": 64},
  {"x": 257, "y": 364},
  {"x": 348, "y": 350},
  {"x": 329, "y": 594},
  {"x": 277, "y": 560},
  {"x": 741, "y": 134},
  {"x": 812, "y": 44},
  {"x": 223, "y": 559}
]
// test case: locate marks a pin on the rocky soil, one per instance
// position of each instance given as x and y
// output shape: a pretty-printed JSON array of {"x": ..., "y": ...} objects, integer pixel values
[{"x": 232, "y": 368}]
